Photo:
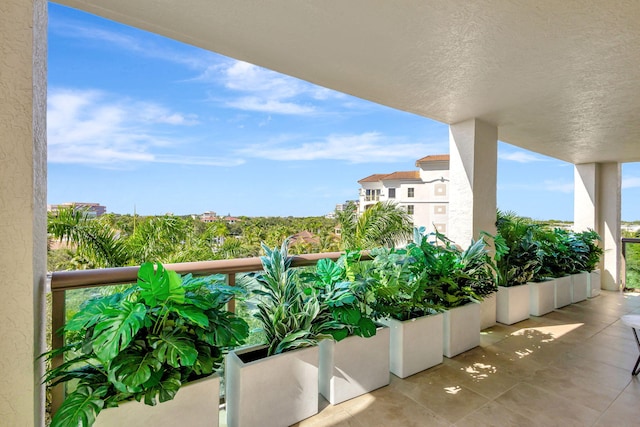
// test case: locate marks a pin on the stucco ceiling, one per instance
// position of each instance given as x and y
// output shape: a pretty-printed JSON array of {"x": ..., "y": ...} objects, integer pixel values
[{"x": 558, "y": 77}]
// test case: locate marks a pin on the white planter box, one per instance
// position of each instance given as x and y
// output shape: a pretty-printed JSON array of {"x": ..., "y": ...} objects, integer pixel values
[
  {"x": 353, "y": 366},
  {"x": 415, "y": 344},
  {"x": 488, "y": 311},
  {"x": 542, "y": 297},
  {"x": 513, "y": 304},
  {"x": 580, "y": 286},
  {"x": 594, "y": 284},
  {"x": 273, "y": 391},
  {"x": 195, "y": 404},
  {"x": 563, "y": 291},
  {"x": 461, "y": 329}
]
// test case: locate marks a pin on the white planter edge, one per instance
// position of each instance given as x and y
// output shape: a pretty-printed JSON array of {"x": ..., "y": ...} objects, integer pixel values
[
  {"x": 461, "y": 329},
  {"x": 513, "y": 304}
]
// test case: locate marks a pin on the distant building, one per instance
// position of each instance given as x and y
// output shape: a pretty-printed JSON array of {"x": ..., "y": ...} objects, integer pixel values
[
  {"x": 423, "y": 192},
  {"x": 208, "y": 216},
  {"x": 92, "y": 209}
]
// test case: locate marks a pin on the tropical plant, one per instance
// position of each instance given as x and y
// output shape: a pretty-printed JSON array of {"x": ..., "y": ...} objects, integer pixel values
[
  {"x": 557, "y": 252},
  {"x": 456, "y": 275},
  {"x": 382, "y": 224},
  {"x": 287, "y": 318},
  {"x": 144, "y": 342},
  {"x": 590, "y": 239},
  {"x": 344, "y": 300},
  {"x": 516, "y": 250},
  {"x": 95, "y": 241}
]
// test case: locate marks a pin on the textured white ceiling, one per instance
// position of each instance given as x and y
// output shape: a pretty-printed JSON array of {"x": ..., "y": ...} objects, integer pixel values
[{"x": 559, "y": 77}]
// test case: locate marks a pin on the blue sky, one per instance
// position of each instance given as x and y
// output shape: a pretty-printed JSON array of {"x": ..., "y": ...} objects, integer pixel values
[{"x": 135, "y": 119}]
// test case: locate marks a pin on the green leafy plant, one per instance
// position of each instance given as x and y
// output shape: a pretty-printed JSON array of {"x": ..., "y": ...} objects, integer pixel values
[
  {"x": 144, "y": 342},
  {"x": 342, "y": 297},
  {"x": 591, "y": 239},
  {"x": 516, "y": 256}
]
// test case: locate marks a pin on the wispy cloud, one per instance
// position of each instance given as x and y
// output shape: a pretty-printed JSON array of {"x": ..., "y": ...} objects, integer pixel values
[
  {"x": 558, "y": 186},
  {"x": 521, "y": 157},
  {"x": 266, "y": 91},
  {"x": 630, "y": 182},
  {"x": 97, "y": 128},
  {"x": 363, "y": 148}
]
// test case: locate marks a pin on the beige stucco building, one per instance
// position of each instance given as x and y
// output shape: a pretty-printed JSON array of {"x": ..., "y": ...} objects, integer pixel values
[{"x": 423, "y": 193}]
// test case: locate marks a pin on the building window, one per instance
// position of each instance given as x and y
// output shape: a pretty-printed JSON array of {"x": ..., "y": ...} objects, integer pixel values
[
  {"x": 410, "y": 192},
  {"x": 441, "y": 228},
  {"x": 440, "y": 209},
  {"x": 392, "y": 193},
  {"x": 410, "y": 209},
  {"x": 440, "y": 189},
  {"x": 372, "y": 195}
]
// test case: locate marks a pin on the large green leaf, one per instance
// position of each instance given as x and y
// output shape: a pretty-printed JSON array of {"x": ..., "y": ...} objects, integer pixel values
[
  {"x": 91, "y": 313},
  {"x": 158, "y": 285},
  {"x": 164, "y": 390},
  {"x": 117, "y": 329},
  {"x": 328, "y": 271},
  {"x": 193, "y": 314},
  {"x": 132, "y": 369},
  {"x": 80, "y": 408},
  {"x": 175, "y": 350}
]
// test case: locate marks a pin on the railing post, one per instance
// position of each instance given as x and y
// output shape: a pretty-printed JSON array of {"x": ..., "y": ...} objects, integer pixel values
[
  {"x": 231, "y": 281},
  {"x": 57, "y": 341}
]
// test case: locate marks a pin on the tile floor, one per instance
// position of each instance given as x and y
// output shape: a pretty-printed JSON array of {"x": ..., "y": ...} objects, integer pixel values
[{"x": 571, "y": 367}]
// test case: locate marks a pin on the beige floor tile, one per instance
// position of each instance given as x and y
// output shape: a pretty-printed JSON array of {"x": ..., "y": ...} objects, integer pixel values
[
  {"x": 546, "y": 409},
  {"x": 495, "y": 415},
  {"x": 624, "y": 412},
  {"x": 388, "y": 408}
]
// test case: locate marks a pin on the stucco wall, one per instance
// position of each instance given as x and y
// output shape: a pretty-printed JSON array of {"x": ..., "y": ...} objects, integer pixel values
[{"x": 22, "y": 207}]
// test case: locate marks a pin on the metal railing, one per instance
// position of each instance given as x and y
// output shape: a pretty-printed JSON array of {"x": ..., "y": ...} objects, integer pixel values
[{"x": 62, "y": 281}]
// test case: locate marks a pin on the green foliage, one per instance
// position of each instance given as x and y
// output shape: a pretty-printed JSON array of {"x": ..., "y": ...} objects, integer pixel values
[
  {"x": 382, "y": 224},
  {"x": 516, "y": 250},
  {"x": 429, "y": 275},
  {"x": 343, "y": 300},
  {"x": 144, "y": 342}
]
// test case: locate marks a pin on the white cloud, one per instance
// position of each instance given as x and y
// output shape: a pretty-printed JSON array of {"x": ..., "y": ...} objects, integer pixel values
[
  {"x": 521, "y": 157},
  {"x": 558, "y": 186},
  {"x": 95, "y": 128},
  {"x": 268, "y": 91},
  {"x": 631, "y": 182},
  {"x": 364, "y": 148}
]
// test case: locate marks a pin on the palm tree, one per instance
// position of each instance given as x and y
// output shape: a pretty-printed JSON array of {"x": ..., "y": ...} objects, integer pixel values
[
  {"x": 95, "y": 241},
  {"x": 383, "y": 224}
]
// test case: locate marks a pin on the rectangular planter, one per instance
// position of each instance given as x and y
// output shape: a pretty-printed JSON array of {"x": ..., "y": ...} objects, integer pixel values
[
  {"x": 580, "y": 286},
  {"x": 195, "y": 404},
  {"x": 488, "y": 311},
  {"x": 415, "y": 344},
  {"x": 353, "y": 366},
  {"x": 273, "y": 391},
  {"x": 562, "y": 295},
  {"x": 542, "y": 297},
  {"x": 594, "y": 284},
  {"x": 461, "y": 329},
  {"x": 513, "y": 304}
]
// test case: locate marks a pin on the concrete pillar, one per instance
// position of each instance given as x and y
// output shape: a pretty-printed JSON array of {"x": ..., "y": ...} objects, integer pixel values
[
  {"x": 473, "y": 149},
  {"x": 609, "y": 219},
  {"x": 597, "y": 205},
  {"x": 23, "y": 178}
]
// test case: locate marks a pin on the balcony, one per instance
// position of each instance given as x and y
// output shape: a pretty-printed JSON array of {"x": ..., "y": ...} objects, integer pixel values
[{"x": 569, "y": 367}]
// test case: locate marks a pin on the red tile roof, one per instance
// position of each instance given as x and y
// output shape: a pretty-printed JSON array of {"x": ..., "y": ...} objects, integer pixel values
[
  {"x": 374, "y": 178},
  {"x": 433, "y": 158},
  {"x": 402, "y": 175}
]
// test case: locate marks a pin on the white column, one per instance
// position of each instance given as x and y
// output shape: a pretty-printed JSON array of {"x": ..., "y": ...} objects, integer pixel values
[
  {"x": 473, "y": 149},
  {"x": 597, "y": 206},
  {"x": 609, "y": 213},
  {"x": 585, "y": 196},
  {"x": 22, "y": 208}
]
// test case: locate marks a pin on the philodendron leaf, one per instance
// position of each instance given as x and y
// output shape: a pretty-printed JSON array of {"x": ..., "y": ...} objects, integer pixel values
[
  {"x": 133, "y": 369},
  {"x": 366, "y": 327},
  {"x": 165, "y": 390},
  {"x": 175, "y": 350},
  {"x": 90, "y": 314},
  {"x": 328, "y": 271},
  {"x": 158, "y": 286},
  {"x": 80, "y": 408},
  {"x": 193, "y": 314},
  {"x": 117, "y": 329}
]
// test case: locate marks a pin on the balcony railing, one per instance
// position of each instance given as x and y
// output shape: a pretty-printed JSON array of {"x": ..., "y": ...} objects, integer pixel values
[{"x": 62, "y": 281}]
